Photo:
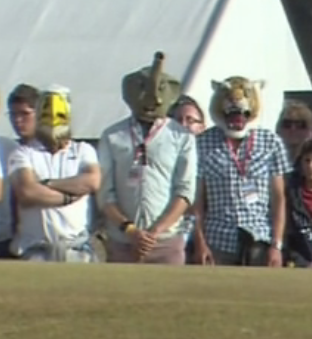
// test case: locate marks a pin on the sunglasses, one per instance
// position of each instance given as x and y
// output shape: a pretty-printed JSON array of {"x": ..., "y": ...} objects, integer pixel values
[
  {"x": 141, "y": 154},
  {"x": 291, "y": 123}
]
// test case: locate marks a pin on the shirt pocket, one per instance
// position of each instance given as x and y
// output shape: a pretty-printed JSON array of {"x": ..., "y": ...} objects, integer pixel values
[{"x": 259, "y": 166}]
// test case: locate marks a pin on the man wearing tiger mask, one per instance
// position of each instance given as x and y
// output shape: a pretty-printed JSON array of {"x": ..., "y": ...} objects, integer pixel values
[
  {"x": 53, "y": 178},
  {"x": 241, "y": 170}
]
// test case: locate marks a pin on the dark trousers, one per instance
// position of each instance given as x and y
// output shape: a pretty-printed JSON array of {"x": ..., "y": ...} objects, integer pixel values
[{"x": 251, "y": 252}]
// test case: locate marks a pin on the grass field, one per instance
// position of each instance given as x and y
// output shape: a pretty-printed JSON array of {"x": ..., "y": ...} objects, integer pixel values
[{"x": 144, "y": 302}]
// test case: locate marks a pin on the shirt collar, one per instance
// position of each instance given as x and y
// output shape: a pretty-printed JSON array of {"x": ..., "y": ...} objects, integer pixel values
[{"x": 35, "y": 143}]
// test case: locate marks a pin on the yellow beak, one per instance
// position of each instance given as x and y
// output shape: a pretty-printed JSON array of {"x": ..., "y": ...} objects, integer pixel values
[{"x": 54, "y": 111}]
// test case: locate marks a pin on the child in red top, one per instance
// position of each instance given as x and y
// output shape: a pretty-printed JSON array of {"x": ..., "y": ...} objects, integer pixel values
[{"x": 299, "y": 200}]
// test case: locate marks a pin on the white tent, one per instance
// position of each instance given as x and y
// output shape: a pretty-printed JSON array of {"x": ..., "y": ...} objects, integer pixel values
[
  {"x": 253, "y": 39},
  {"x": 90, "y": 45}
]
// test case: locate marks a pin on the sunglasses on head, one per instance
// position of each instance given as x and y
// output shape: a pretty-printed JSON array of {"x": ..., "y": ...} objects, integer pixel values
[{"x": 298, "y": 124}]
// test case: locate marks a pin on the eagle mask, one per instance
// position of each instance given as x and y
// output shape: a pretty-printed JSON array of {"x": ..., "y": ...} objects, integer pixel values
[{"x": 54, "y": 116}]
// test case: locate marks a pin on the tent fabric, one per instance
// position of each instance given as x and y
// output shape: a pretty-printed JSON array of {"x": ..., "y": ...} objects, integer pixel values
[{"x": 89, "y": 46}]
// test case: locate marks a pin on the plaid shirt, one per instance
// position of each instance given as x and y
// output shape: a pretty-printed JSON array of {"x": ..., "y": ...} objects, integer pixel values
[{"x": 227, "y": 207}]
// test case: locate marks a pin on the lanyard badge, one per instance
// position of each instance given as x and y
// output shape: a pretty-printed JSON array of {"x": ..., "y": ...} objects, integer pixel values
[
  {"x": 248, "y": 188},
  {"x": 140, "y": 153},
  {"x": 242, "y": 165}
]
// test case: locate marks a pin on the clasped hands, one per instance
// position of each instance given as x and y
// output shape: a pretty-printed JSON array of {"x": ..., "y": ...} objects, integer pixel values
[{"x": 143, "y": 242}]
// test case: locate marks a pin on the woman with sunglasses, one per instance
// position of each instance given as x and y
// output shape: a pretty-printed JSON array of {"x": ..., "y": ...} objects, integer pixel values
[{"x": 294, "y": 125}]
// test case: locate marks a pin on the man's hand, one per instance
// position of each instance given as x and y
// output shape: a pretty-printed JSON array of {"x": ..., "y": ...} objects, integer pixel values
[
  {"x": 143, "y": 242},
  {"x": 203, "y": 254},
  {"x": 73, "y": 198},
  {"x": 275, "y": 257}
]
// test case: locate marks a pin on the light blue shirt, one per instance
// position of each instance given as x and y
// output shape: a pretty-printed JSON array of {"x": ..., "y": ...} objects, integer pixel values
[{"x": 170, "y": 172}]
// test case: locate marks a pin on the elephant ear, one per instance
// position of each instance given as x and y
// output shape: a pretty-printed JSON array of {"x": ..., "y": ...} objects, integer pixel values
[
  {"x": 133, "y": 85},
  {"x": 175, "y": 88}
]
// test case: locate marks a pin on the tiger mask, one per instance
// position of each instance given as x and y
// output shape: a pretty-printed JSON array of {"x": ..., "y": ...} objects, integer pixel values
[{"x": 235, "y": 105}]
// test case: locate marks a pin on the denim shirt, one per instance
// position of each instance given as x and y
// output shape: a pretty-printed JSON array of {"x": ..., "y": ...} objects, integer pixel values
[{"x": 170, "y": 171}]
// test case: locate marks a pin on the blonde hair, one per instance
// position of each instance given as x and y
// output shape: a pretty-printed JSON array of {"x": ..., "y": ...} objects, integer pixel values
[{"x": 296, "y": 107}]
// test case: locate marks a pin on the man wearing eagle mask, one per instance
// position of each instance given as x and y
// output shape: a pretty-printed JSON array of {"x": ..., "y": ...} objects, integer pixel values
[
  {"x": 149, "y": 166},
  {"x": 53, "y": 178},
  {"x": 241, "y": 170}
]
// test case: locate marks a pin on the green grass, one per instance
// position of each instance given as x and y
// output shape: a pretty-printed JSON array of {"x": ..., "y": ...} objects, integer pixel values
[{"x": 146, "y": 302}]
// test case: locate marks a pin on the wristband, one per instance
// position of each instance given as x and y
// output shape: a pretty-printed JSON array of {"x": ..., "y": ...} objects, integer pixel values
[{"x": 127, "y": 227}]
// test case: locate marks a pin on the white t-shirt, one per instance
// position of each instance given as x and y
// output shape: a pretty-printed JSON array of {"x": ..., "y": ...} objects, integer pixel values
[
  {"x": 37, "y": 224},
  {"x": 7, "y": 146}
]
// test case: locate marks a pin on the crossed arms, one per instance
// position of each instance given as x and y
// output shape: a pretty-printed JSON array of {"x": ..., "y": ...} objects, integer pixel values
[{"x": 31, "y": 192}]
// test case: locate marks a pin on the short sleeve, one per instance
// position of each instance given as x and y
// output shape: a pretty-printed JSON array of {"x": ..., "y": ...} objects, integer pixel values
[
  {"x": 19, "y": 159},
  {"x": 87, "y": 155},
  {"x": 280, "y": 164}
]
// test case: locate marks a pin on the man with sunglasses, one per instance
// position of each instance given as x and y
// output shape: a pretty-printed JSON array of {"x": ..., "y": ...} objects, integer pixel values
[
  {"x": 294, "y": 125},
  {"x": 149, "y": 168}
]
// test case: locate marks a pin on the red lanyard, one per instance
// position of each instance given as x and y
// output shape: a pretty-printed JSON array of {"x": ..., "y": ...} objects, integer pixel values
[
  {"x": 242, "y": 165},
  {"x": 140, "y": 148}
]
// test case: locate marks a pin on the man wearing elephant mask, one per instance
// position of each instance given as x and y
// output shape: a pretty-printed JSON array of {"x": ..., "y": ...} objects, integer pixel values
[{"x": 148, "y": 164}]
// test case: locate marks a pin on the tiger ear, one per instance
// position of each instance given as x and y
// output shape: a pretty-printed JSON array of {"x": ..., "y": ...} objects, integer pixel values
[
  {"x": 215, "y": 85},
  {"x": 259, "y": 83}
]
